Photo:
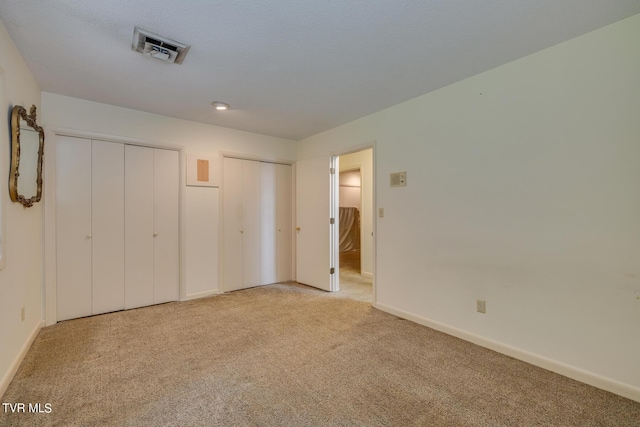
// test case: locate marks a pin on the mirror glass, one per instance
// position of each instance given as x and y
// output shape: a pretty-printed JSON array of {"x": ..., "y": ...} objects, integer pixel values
[
  {"x": 28, "y": 167},
  {"x": 27, "y": 150}
]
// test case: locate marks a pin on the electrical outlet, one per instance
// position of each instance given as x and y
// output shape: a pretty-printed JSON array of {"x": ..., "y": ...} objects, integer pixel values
[
  {"x": 481, "y": 306},
  {"x": 22, "y": 314}
]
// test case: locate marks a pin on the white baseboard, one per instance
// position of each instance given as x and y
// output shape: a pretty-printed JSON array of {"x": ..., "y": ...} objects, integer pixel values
[
  {"x": 203, "y": 294},
  {"x": 6, "y": 380},
  {"x": 613, "y": 386}
]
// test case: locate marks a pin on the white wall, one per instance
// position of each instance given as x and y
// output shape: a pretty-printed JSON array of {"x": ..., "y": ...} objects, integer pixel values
[
  {"x": 364, "y": 160},
  {"x": 350, "y": 189},
  {"x": 524, "y": 191},
  {"x": 21, "y": 277},
  {"x": 202, "y": 217}
]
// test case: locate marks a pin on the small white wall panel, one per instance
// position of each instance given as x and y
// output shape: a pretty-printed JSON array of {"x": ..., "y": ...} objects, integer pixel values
[
  {"x": 251, "y": 224},
  {"x": 107, "y": 210},
  {"x": 138, "y": 226},
  {"x": 268, "y": 223},
  {"x": 232, "y": 217},
  {"x": 166, "y": 271},
  {"x": 73, "y": 227},
  {"x": 284, "y": 224}
]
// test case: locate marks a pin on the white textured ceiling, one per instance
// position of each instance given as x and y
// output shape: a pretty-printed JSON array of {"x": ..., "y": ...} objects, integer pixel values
[{"x": 289, "y": 68}]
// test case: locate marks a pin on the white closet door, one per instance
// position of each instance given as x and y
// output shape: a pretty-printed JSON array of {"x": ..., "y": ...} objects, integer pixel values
[
  {"x": 283, "y": 222},
  {"x": 107, "y": 181},
  {"x": 138, "y": 226},
  {"x": 73, "y": 227},
  {"x": 166, "y": 253},
  {"x": 257, "y": 223},
  {"x": 232, "y": 217},
  {"x": 268, "y": 223},
  {"x": 251, "y": 224}
]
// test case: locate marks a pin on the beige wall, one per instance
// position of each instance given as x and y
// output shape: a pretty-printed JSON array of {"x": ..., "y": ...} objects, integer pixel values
[
  {"x": 522, "y": 191},
  {"x": 21, "y": 277}
]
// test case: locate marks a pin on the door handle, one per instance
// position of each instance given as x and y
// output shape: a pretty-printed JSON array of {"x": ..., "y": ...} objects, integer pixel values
[
  {"x": 241, "y": 231},
  {"x": 89, "y": 236},
  {"x": 155, "y": 234},
  {"x": 297, "y": 228}
]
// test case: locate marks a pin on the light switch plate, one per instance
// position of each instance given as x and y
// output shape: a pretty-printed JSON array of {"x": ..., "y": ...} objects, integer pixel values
[{"x": 481, "y": 306}]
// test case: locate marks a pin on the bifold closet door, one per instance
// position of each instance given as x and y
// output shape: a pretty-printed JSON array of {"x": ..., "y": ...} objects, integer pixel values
[
  {"x": 269, "y": 226},
  {"x": 166, "y": 242},
  {"x": 139, "y": 192},
  {"x": 242, "y": 224},
  {"x": 89, "y": 227},
  {"x": 257, "y": 223},
  {"x": 232, "y": 217},
  {"x": 152, "y": 260},
  {"x": 107, "y": 218},
  {"x": 284, "y": 223},
  {"x": 73, "y": 227},
  {"x": 275, "y": 182},
  {"x": 251, "y": 224}
]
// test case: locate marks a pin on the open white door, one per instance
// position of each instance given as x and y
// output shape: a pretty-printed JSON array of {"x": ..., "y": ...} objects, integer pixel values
[{"x": 313, "y": 228}]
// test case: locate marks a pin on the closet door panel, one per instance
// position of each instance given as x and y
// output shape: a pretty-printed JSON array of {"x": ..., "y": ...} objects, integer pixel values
[
  {"x": 232, "y": 216},
  {"x": 251, "y": 224},
  {"x": 73, "y": 227},
  {"x": 107, "y": 207},
  {"x": 166, "y": 254},
  {"x": 268, "y": 223},
  {"x": 283, "y": 203},
  {"x": 139, "y": 249}
]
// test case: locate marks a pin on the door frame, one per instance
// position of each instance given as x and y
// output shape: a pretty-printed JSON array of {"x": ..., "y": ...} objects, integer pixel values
[
  {"x": 334, "y": 228},
  {"x": 334, "y": 201},
  {"x": 358, "y": 168}
]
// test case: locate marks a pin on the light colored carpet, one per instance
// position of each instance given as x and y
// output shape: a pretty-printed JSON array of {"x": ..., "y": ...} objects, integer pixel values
[
  {"x": 287, "y": 355},
  {"x": 352, "y": 284}
]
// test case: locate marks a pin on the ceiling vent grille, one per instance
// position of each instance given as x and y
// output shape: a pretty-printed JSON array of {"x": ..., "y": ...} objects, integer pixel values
[{"x": 158, "y": 47}]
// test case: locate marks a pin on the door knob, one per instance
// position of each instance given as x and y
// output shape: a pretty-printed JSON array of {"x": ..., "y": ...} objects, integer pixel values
[
  {"x": 297, "y": 228},
  {"x": 241, "y": 230},
  {"x": 155, "y": 234},
  {"x": 89, "y": 236}
]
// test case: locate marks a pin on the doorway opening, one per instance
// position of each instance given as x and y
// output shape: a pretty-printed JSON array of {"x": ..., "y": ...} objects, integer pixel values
[{"x": 354, "y": 200}]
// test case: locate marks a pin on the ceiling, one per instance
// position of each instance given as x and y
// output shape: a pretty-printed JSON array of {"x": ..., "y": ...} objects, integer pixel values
[{"x": 289, "y": 68}]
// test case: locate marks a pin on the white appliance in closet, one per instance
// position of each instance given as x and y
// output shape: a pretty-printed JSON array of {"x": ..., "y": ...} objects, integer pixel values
[
  {"x": 117, "y": 226},
  {"x": 257, "y": 223}
]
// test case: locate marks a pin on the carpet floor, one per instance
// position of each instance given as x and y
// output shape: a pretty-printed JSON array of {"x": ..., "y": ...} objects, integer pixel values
[
  {"x": 353, "y": 284},
  {"x": 287, "y": 355}
]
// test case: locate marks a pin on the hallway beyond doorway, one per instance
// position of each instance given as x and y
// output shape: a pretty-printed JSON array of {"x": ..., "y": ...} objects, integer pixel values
[{"x": 354, "y": 285}]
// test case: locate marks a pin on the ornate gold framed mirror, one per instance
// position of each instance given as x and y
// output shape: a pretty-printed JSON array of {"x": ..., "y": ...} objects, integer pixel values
[{"x": 27, "y": 152}]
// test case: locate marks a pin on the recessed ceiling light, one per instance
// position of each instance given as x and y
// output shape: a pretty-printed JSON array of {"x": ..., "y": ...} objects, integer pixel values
[{"x": 221, "y": 106}]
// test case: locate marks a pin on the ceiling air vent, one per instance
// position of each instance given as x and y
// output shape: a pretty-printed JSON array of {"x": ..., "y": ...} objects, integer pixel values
[{"x": 158, "y": 47}]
